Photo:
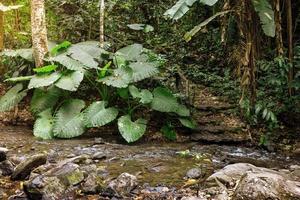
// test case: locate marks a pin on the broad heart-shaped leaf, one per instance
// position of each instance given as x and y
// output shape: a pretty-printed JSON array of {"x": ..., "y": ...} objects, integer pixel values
[
  {"x": 70, "y": 81},
  {"x": 26, "y": 54},
  {"x": 67, "y": 62},
  {"x": 93, "y": 49},
  {"x": 266, "y": 15},
  {"x": 143, "y": 70},
  {"x": 43, "y": 80},
  {"x": 131, "y": 131},
  {"x": 43, "y": 126},
  {"x": 69, "y": 119},
  {"x": 189, "y": 123},
  {"x": 12, "y": 98},
  {"x": 97, "y": 115},
  {"x": 179, "y": 9},
  {"x": 165, "y": 101},
  {"x": 131, "y": 52},
  {"x": 145, "y": 96},
  {"x": 81, "y": 56},
  {"x": 120, "y": 78},
  {"x": 43, "y": 99}
]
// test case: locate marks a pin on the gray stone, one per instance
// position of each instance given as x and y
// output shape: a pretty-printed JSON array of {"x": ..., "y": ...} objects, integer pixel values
[
  {"x": 24, "y": 169},
  {"x": 194, "y": 173},
  {"x": 6, "y": 168},
  {"x": 3, "y": 153},
  {"x": 99, "y": 156},
  {"x": 266, "y": 186},
  {"x": 92, "y": 185},
  {"x": 123, "y": 184},
  {"x": 69, "y": 174}
]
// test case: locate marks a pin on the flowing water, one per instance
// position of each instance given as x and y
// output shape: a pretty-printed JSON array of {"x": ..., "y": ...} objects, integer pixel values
[{"x": 155, "y": 163}]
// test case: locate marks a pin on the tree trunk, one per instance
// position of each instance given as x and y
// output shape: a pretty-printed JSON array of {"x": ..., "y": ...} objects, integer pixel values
[
  {"x": 290, "y": 43},
  {"x": 278, "y": 22},
  {"x": 38, "y": 31},
  {"x": 1, "y": 31},
  {"x": 101, "y": 29}
]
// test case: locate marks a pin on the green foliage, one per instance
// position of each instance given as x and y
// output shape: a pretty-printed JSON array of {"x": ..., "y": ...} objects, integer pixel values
[
  {"x": 189, "y": 123},
  {"x": 131, "y": 131},
  {"x": 12, "y": 98},
  {"x": 97, "y": 115},
  {"x": 165, "y": 101},
  {"x": 69, "y": 66},
  {"x": 43, "y": 126},
  {"x": 266, "y": 15},
  {"x": 43, "y": 99},
  {"x": 61, "y": 47},
  {"x": 141, "y": 27},
  {"x": 45, "y": 69},
  {"x": 169, "y": 132},
  {"x": 69, "y": 121}
]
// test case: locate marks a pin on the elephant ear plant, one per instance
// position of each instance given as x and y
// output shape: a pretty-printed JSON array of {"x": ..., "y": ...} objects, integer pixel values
[{"x": 69, "y": 67}]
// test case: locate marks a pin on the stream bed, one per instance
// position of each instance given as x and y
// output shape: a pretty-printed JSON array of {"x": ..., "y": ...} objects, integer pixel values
[{"x": 155, "y": 164}]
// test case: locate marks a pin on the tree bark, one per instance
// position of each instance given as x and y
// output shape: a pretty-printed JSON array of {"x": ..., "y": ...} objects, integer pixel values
[
  {"x": 39, "y": 31},
  {"x": 101, "y": 28},
  {"x": 278, "y": 22},
  {"x": 290, "y": 44},
  {"x": 1, "y": 31}
]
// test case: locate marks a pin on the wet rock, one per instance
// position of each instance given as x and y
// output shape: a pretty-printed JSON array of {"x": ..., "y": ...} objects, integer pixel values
[
  {"x": 3, "y": 153},
  {"x": 69, "y": 174},
  {"x": 23, "y": 169},
  {"x": 99, "y": 156},
  {"x": 266, "y": 185},
  {"x": 92, "y": 185},
  {"x": 123, "y": 184},
  {"x": 194, "y": 173},
  {"x": 17, "y": 159},
  {"x": 42, "y": 187},
  {"x": 193, "y": 198},
  {"x": 6, "y": 168},
  {"x": 99, "y": 141}
]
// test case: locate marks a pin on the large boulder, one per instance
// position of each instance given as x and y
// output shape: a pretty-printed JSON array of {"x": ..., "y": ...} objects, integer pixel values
[
  {"x": 23, "y": 170},
  {"x": 266, "y": 186},
  {"x": 246, "y": 181}
]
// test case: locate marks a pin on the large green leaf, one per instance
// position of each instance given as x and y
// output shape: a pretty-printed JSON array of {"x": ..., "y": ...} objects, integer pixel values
[
  {"x": 70, "y": 81},
  {"x": 68, "y": 62},
  {"x": 131, "y": 52},
  {"x": 12, "y": 98},
  {"x": 43, "y": 80},
  {"x": 188, "y": 36},
  {"x": 93, "y": 49},
  {"x": 86, "y": 59},
  {"x": 69, "y": 119},
  {"x": 26, "y": 54},
  {"x": 97, "y": 115},
  {"x": 189, "y": 123},
  {"x": 266, "y": 15},
  {"x": 142, "y": 70},
  {"x": 45, "y": 69},
  {"x": 141, "y": 27},
  {"x": 43, "y": 126},
  {"x": 145, "y": 96},
  {"x": 165, "y": 101},
  {"x": 120, "y": 78},
  {"x": 179, "y": 9},
  {"x": 43, "y": 99},
  {"x": 183, "y": 6},
  {"x": 131, "y": 131}
]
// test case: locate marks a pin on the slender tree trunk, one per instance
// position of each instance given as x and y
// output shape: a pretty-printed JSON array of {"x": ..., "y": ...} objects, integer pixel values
[
  {"x": 38, "y": 31},
  {"x": 290, "y": 43},
  {"x": 101, "y": 29},
  {"x": 2, "y": 68},
  {"x": 278, "y": 22}
]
